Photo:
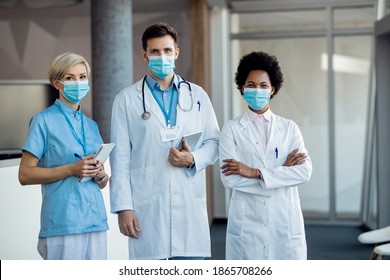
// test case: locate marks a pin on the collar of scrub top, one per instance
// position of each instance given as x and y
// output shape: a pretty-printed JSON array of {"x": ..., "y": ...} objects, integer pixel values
[
  {"x": 153, "y": 84},
  {"x": 66, "y": 110}
]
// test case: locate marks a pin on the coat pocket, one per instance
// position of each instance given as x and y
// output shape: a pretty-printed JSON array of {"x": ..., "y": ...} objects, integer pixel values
[{"x": 296, "y": 221}]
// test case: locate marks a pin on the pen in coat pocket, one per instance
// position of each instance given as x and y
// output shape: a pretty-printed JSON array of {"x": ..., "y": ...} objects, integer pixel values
[{"x": 276, "y": 152}]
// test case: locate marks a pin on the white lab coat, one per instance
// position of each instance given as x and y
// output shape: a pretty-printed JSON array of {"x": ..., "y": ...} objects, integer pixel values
[
  {"x": 265, "y": 219},
  {"x": 169, "y": 202}
]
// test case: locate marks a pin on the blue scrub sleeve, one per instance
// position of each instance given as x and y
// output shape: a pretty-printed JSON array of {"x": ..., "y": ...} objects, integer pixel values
[{"x": 36, "y": 137}]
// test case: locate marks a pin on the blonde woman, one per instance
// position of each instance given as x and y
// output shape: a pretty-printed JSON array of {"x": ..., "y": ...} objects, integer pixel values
[{"x": 58, "y": 150}]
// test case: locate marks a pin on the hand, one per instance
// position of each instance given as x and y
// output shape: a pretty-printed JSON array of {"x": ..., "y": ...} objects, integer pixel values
[
  {"x": 87, "y": 167},
  {"x": 101, "y": 178},
  {"x": 128, "y": 223},
  {"x": 234, "y": 167},
  {"x": 181, "y": 158},
  {"x": 295, "y": 158}
]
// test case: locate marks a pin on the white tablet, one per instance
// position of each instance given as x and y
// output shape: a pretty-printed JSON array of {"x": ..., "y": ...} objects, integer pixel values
[
  {"x": 192, "y": 140},
  {"x": 101, "y": 155}
]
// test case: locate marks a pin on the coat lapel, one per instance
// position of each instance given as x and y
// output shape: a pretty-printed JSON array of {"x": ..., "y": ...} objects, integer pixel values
[
  {"x": 150, "y": 103},
  {"x": 181, "y": 119},
  {"x": 248, "y": 130},
  {"x": 274, "y": 136}
]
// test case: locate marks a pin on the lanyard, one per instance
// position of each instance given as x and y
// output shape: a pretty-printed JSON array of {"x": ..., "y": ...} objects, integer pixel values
[
  {"x": 82, "y": 142},
  {"x": 171, "y": 107}
]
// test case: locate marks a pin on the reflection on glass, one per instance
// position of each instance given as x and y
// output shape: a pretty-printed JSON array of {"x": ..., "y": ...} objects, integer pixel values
[
  {"x": 351, "y": 87},
  {"x": 354, "y": 18},
  {"x": 383, "y": 9},
  {"x": 280, "y": 21}
]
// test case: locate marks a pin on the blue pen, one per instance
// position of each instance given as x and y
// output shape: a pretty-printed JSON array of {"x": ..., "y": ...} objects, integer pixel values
[
  {"x": 276, "y": 152},
  {"x": 78, "y": 156},
  {"x": 198, "y": 105}
]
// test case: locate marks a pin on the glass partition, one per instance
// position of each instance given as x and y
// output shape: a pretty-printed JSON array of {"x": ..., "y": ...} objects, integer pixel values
[
  {"x": 330, "y": 105},
  {"x": 351, "y": 65},
  {"x": 280, "y": 21}
]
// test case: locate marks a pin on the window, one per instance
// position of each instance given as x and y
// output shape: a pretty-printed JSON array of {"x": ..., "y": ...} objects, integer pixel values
[{"x": 329, "y": 104}]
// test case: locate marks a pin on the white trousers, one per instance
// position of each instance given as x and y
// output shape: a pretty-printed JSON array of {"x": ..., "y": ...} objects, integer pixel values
[{"x": 86, "y": 246}]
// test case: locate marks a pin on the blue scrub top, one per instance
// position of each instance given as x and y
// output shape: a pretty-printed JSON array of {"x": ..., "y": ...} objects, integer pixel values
[{"x": 68, "y": 206}]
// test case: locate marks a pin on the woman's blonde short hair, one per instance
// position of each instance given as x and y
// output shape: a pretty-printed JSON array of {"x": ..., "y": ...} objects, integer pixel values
[{"x": 63, "y": 62}]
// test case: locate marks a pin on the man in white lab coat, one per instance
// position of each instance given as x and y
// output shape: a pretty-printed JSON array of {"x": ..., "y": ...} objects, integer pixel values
[
  {"x": 157, "y": 189},
  {"x": 263, "y": 159}
]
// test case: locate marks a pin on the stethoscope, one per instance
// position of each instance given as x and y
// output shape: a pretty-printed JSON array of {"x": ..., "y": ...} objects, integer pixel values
[{"x": 146, "y": 115}]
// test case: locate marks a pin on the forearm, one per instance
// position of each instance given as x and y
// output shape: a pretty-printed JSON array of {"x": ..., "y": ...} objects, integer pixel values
[
  {"x": 287, "y": 176},
  {"x": 39, "y": 175}
]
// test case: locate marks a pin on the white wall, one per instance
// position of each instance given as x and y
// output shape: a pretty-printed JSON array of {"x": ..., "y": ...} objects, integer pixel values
[{"x": 20, "y": 216}]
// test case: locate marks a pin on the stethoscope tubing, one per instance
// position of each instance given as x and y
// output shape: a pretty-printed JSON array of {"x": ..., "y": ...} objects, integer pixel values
[{"x": 146, "y": 115}]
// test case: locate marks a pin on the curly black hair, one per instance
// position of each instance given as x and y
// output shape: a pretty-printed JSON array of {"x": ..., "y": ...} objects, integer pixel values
[{"x": 259, "y": 61}]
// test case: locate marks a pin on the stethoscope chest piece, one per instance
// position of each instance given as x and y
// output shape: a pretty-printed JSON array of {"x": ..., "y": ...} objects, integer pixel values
[{"x": 145, "y": 115}]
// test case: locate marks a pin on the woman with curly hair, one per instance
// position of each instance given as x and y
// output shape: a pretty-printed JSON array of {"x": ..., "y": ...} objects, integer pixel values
[{"x": 263, "y": 159}]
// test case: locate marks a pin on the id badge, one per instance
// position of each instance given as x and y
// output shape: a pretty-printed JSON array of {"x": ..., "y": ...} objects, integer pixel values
[{"x": 168, "y": 134}]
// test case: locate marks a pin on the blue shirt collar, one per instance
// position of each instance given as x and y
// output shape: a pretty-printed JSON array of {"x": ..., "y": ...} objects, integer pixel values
[{"x": 153, "y": 84}]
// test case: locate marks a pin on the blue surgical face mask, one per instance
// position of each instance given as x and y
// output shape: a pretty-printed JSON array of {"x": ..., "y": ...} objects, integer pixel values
[
  {"x": 75, "y": 91},
  {"x": 257, "y": 98},
  {"x": 161, "y": 66}
]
